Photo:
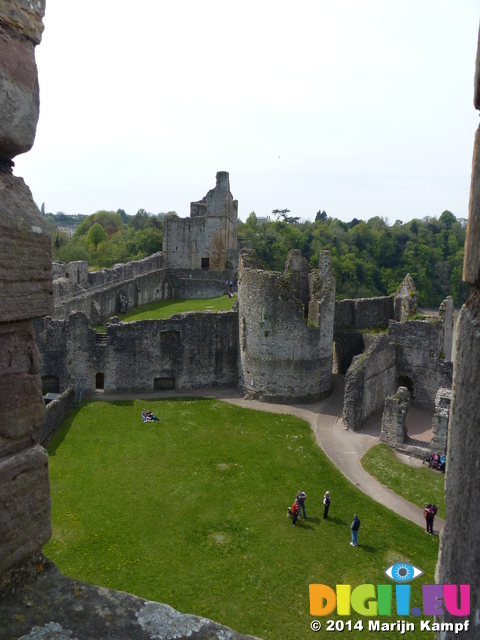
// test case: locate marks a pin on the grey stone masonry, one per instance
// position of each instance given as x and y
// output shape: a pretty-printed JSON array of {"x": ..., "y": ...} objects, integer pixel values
[
  {"x": 25, "y": 293},
  {"x": 394, "y": 418},
  {"x": 187, "y": 351},
  {"x": 421, "y": 358},
  {"x": 440, "y": 419},
  {"x": 286, "y": 330},
  {"x": 208, "y": 238},
  {"x": 459, "y": 556},
  {"x": 405, "y": 299},
  {"x": 370, "y": 378}
]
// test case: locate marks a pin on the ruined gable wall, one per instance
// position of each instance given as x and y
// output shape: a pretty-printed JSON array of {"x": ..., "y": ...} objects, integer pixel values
[
  {"x": 209, "y": 232},
  {"x": 419, "y": 346},
  {"x": 369, "y": 380},
  {"x": 188, "y": 240}
]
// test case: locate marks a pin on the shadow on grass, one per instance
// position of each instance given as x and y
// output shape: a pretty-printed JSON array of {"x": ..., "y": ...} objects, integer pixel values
[
  {"x": 336, "y": 520},
  {"x": 367, "y": 548},
  {"x": 60, "y": 435}
]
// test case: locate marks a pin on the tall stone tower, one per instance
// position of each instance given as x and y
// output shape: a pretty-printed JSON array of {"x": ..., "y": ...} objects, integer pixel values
[
  {"x": 208, "y": 238},
  {"x": 286, "y": 329}
]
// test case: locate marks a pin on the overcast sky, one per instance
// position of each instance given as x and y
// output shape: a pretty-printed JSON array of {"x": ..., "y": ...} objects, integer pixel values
[{"x": 356, "y": 107}]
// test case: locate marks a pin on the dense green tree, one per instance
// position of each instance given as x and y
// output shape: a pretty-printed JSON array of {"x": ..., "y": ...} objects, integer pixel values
[{"x": 96, "y": 234}]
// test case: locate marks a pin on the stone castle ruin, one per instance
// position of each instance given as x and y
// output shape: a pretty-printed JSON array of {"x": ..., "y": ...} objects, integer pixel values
[{"x": 198, "y": 254}]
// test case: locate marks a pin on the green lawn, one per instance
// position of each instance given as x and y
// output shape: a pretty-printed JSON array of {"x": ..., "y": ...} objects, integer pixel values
[
  {"x": 191, "y": 511},
  {"x": 165, "y": 308},
  {"x": 417, "y": 485}
]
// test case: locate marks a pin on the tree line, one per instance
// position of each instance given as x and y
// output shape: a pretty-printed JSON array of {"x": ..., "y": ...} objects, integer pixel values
[
  {"x": 368, "y": 258},
  {"x": 371, "y": 258}
]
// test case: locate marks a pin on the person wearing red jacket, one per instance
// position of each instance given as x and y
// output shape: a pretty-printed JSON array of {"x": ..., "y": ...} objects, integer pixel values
[{"x": 295, "y": 512}]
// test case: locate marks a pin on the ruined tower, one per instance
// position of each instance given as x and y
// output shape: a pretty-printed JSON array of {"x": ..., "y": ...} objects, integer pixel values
[
  {"x": 208, "y": 238},
  {"x": 286, "y": 329}
]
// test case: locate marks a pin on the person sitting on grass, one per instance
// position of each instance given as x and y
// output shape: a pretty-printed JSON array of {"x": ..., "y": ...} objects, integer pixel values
[{"x": 148, "y": 416}]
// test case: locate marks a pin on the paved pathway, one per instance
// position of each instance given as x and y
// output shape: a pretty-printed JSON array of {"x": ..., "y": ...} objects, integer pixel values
[{"x": 343, "y": 446}]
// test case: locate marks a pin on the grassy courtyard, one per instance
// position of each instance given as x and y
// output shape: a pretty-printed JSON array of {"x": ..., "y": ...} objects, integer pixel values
[
  {"x": 191, "y": 511},
  {"x": 419, "y": 485},
  {"x": 162, "y": 309}
]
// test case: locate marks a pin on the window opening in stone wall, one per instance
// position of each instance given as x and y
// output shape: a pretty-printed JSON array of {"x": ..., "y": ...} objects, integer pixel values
[
  {"x": 99, "y": 382},
  {"x": 159, "y": 384},
  {"x": 206, "y": 263},
  {"x": 50, "y": 384}
]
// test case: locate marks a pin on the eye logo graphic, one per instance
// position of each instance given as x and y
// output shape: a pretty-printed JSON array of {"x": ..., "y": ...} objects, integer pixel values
[{"x": 403, "y": 572}]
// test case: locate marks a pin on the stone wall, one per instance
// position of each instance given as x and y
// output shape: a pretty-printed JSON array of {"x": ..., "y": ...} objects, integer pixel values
[
  {"x": 421, "y": 363},
  {"x": 75, "y": 273},
  {"x": 56, "y": 412},
  {"x": 187, "y": 351},
  {"x": 459, "y": 557},
  {"x": 443, "y": 400},
  {"x": 285, "y": 350},
  {"x": 103, "y": 301},
  {"x": 394, "y": 418},
  {"x": 26, "y": 292},
  {"x": 363, "y": 313},
  {"x": 369, "y": 380},
  {"x": 208, "y": 238}
]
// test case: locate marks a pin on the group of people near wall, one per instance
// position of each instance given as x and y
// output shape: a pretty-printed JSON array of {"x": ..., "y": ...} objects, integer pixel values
[{"x": 437, "y": 461}]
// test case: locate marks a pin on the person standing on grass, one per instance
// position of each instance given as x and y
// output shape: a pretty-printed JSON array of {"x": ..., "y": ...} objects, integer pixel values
[
  {"x": 429, "y": 513},
  {"x": 326, "y": 502},
  {"x": 301, "y": 497},
  {"x": 355, "y": 526},
  {"x": 295, "y": 512}
]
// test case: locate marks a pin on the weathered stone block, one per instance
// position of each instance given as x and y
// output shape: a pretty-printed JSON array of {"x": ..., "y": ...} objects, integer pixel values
[
  {"x": 24, "y": 16},
  {"x": 471, "y": 265},
  {"x": 394, "y": 418},
  {"x": 24, "y": 505},
  {"x": 20, "y": 387},
  {"x": 460, "y": 551},
  {"x": 25, "y": 254},
  {"x": 19, "y": 94}
]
